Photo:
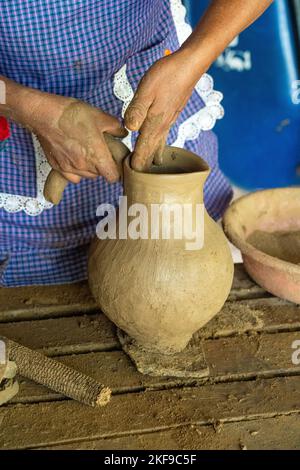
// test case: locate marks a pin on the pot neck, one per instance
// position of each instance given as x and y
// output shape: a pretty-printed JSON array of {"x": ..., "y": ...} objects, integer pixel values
[{"x": 179, "y": 179}]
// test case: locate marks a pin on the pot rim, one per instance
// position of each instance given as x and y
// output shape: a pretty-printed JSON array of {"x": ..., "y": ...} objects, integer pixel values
[{"x": 205, "y": 170}]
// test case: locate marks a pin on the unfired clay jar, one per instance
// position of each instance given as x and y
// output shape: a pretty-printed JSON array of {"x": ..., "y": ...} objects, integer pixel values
[{"x": 157, "y": 291}]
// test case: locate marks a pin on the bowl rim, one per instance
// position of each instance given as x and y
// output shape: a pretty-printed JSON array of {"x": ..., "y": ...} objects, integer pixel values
[{"x": 248, "y": 249}]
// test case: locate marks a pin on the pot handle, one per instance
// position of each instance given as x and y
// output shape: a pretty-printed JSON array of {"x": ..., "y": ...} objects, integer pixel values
[{"x": 56, "y": 182}]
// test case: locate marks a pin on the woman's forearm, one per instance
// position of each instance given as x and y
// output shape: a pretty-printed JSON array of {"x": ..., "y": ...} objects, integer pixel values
[
  {"x": 167, "y": 86},
  {"x": 19, "y": 101},
  {"x": 221, "y": 23},
  {"x": 70, "y": 132}
]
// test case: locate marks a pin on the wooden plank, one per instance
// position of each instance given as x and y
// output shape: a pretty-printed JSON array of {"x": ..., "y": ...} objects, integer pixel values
[
  {"x": 278, "y": 433},
  {"x": 241, "y": 279},
  {"x": 87, "y": 333},
  {"x": 44, "y": 424},
  {"x": 25, "y": 303},
  {"x": 253, "y": 315},
  {"x": 243, "y": 287},
  {"x": 64, "y": 335},
  {"x": 229, "y": 359}
]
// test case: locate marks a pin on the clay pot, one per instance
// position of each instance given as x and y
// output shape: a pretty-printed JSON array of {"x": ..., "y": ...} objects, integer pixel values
[
  {"x": 271, "y": 259},
  {"x": 156, "y": 290}
]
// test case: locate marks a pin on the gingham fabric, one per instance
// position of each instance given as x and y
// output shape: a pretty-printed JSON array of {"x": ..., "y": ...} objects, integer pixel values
[{"x": 74, "y": 48}]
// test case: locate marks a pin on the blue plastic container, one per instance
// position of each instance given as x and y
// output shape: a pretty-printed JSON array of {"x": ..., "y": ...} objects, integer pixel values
[{"x": 259, "y": 75}]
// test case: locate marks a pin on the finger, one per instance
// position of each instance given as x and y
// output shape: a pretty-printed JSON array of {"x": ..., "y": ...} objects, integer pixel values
[
  {"x": 72, "y": 159},
  {"x": 137, "y": 111},
  {"x": 158, "y": 156},
  {"x": 175, "y": 117},
  {"x": 49, "y": 154},
  {"x": 71, "y": 177},
  {"x": 144, "y": 152},
  {"x": 119, "y": 132},
  {"x": 78, "y": 168},
  {"x": 113, "y": 126},
  {"x": 105, "y": 164},
  {"x": 151, "y": 134},
  {"x": 87, "y": 174},
  {"x": 76, "y": 177}
]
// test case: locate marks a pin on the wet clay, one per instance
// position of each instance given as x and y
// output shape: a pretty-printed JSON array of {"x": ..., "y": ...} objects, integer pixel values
[
  {"x": 156, "y": 290},
  {"x": 280, "y": 244}
]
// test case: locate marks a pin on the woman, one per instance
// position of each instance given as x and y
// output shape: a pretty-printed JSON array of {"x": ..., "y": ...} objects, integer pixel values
[{"x": 63, "y": 60}]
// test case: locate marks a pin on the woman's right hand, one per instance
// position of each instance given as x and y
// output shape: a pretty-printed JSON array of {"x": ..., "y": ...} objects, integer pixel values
[{"x": 71, "y": 134}]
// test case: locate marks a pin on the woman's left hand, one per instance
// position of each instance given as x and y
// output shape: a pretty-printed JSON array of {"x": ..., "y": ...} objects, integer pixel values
[{"x": 161, "y": 96}]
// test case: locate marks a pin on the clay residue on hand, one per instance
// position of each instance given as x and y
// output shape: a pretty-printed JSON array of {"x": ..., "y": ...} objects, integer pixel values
[
  {"x": 280, "y": 244},
  {"x": 146, "y": 147}
]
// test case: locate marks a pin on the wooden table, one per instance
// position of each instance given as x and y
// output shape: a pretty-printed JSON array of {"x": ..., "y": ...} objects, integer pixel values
[{"x": 250, "y": 401}]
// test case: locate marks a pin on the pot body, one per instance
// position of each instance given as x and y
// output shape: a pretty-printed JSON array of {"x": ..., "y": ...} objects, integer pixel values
[{"x": 160, "y": 291}]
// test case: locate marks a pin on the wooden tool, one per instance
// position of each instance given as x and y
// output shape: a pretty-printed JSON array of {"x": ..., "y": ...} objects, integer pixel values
[
  {"x": 9, "y": 386},
  {"x": 56, "y": 376}
]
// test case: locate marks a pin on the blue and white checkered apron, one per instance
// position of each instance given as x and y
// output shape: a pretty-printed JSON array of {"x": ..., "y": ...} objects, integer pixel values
[{"x": 97, "y": 51}]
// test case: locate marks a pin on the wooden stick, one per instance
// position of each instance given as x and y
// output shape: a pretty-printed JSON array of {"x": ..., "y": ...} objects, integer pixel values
[{"x": 56, "y": 376}]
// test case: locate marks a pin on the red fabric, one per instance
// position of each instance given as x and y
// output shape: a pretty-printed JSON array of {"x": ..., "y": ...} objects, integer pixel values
[{"x": 4, "y": 129}]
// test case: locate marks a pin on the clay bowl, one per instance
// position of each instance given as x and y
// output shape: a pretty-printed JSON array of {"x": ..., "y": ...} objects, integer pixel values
[{"x": 265, "y": 226}]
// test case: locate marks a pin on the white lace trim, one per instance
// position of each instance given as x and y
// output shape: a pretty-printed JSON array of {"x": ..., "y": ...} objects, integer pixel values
[
  {"x": 203, "y": 120},
  {"x": 124, "y": 92},
  {"x": 183, "y": 29},
  {"x": 30, "y": 205}
]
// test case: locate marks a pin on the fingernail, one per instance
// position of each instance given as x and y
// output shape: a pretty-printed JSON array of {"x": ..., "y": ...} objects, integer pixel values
[
  {"x": 136, "y": 165},
  {"x": 113, "y": 178},
  {"x": 141, "y": 166},
  {"x": 132, "y": 122}
]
